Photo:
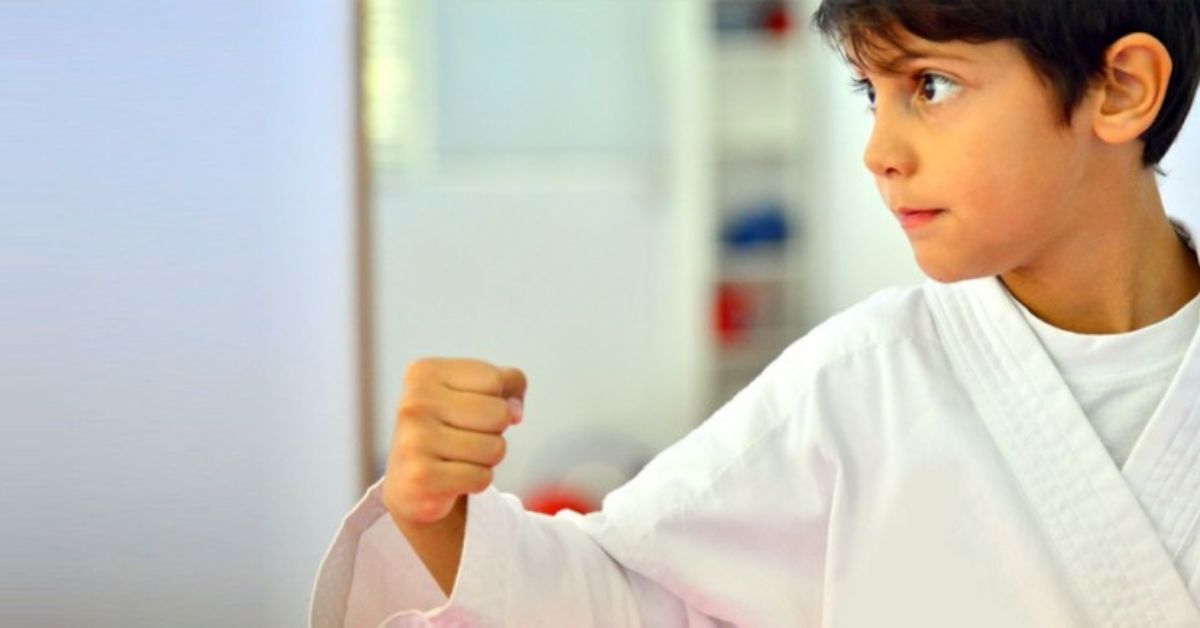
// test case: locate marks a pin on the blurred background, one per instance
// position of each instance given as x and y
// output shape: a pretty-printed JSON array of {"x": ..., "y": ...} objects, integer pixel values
[{"x": 227, "y": 227}]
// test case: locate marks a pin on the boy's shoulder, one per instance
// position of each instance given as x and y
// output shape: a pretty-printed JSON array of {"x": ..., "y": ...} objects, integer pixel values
[{"x": 884, "y": 322}]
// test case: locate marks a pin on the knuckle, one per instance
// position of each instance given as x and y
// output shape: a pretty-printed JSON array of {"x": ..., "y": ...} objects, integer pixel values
[
  {"x": 408, "y": 441},
  {"x": 482, "y": 480},
  {"x": 420, "y": 474},
  {"x": 495, "y": 381},
  {"x": 490, "y": 415},
  {"x": 499, "y": 448},
  {"x": 486, "y": 374},
  {"x": 414, "y": 406},
  {"x": 421, "y": 370},
  {"x": 501, "y": 411}
]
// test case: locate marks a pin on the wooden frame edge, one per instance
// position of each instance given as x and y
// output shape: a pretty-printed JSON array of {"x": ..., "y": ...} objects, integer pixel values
[{"x": 364, "y": 293}]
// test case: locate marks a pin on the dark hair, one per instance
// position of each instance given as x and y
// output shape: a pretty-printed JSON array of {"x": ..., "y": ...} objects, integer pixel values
[{"x": 1064, "y": 41}]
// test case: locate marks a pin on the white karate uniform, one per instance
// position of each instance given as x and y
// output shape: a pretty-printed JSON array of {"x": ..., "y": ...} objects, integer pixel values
[
  {"x": 1118, "y": 379},
  {"x": 915, "y": 461}
]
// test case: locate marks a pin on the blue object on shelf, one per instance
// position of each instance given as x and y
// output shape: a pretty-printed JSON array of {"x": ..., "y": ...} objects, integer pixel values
[
  {"x": 764, "y": 224},
  {"x": 739, "y": 16}
]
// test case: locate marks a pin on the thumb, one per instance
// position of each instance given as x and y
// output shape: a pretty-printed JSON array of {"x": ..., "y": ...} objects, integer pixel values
[
  {"x": 513, "y": 383},
  {"x": 514, "y": 392}
]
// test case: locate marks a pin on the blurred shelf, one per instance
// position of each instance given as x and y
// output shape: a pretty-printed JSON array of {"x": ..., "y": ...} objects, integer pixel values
[
  {"x": 750, "y": 51},
  {"x": 760, "y": 264},
  {"x": 761, "y": 345},
  {"x": 759, "y": 133}
]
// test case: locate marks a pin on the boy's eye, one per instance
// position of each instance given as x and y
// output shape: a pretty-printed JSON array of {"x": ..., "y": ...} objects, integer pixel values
[
  {"x": 935, "y": 85},
  {"x": 933, "y": 88},
  {"x": 863, "y": 86}
]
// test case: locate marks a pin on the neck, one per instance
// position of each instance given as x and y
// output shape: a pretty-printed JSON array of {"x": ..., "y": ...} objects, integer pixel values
[{"x": 1124, "y": 269}]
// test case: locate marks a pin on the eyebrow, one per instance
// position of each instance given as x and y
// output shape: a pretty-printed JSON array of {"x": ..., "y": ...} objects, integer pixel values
[{"x": 907, "y": 58}]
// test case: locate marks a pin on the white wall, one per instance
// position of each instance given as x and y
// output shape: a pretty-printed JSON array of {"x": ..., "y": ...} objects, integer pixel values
[
  {"x": 1180, "y": 189},
  {"x": 176, "y": 333}
]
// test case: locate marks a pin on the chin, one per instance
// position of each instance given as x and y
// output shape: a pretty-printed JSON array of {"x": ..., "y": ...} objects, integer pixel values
[{"x": 949, "y": 270}]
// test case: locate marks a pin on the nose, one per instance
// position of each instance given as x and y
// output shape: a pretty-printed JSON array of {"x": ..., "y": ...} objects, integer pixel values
[{"x": 888, "y": 153}]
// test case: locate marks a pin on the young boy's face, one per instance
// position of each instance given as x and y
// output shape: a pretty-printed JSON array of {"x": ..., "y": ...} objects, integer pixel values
[{"x": 970, "y": 130}]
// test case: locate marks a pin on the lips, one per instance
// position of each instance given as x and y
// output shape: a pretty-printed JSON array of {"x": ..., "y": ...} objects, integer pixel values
[{"x": 911, "y": 218}]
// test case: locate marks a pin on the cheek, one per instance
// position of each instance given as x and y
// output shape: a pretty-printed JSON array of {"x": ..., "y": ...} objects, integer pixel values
[
  {"x": 1002, "y": 202},
  {"x": 1010, "y": 182}
]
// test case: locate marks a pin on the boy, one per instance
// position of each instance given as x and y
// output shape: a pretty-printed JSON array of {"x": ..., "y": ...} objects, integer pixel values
[{"x": 1016, "y": 443}]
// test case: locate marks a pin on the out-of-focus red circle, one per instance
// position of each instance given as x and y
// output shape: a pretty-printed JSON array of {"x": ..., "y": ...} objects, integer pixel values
[
  {"x": 778, "y": 21},
  {"x": 551, "y": 499}
]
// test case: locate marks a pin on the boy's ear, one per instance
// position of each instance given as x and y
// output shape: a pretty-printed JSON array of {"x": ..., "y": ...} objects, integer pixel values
[{"x": 1137, "y": 69}]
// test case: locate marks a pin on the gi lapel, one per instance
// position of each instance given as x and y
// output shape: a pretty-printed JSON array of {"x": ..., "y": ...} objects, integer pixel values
[
  {"x": 1164, "y": 467},
  {"x": 1107, "y": 545}
]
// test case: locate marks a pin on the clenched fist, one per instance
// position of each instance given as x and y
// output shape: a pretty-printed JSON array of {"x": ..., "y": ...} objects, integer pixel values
[{"x": 448, "y": 435}]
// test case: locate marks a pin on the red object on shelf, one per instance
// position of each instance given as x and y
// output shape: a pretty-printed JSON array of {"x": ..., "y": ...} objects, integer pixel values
[
  {"x": 778, "y": 21},
  {"x": 548, "y": 500},
  {"x": 733, "y": 313}
]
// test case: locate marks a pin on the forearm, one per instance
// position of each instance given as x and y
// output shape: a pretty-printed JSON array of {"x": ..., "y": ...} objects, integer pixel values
[
  {"x": 439, "y": 545},
  {"x": 517, "y": 569}
]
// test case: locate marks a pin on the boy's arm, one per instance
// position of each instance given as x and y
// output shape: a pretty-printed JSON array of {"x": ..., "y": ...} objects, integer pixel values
[
  {"x": 448, "y": 437},
  {"x": 517, "y": 568},
  {"x": 733, "y": 519}
]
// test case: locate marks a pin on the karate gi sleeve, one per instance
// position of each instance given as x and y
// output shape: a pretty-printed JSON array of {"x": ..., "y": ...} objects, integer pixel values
[
  {"x": 735, "y": 518},
  {"x": 729, "y": 526},
  {"x": 517, "y": 569}
]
